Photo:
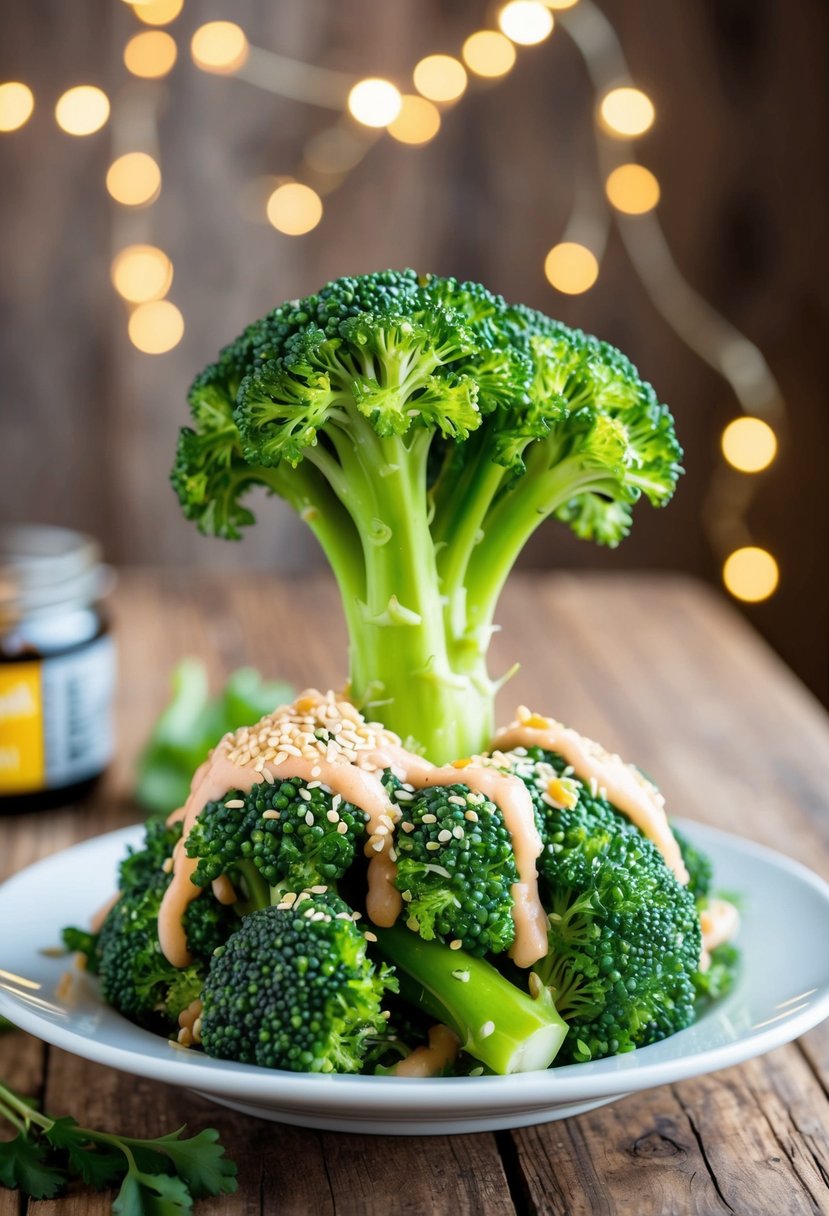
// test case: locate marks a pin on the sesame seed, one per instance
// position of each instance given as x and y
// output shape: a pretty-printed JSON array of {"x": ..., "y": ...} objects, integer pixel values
[
  {"x": 429, "y": 818},
  {"x": 342, "y": 828},
  {"x": 309, "y": 818},
  {"x": 316, "y": 771},
  {"x": 332, "y": 816},
  {"x": 305, "y": 794},
  {"x": 234, "y": 804},
  {"x": 456, "y": 944},
  {"x": 477, "y": 1072},
  {"x": 370, "y": 937},
  {"x": 377, "y": 845},
  {"x": 444, "y": 835},
  {"x": 458, "y": 832},
  {"x": 406, "y": 826},
  {"x": 486, "y": 1030},
  {"x": 268, "y": 775},
  {"x": 270, "y": 814},
  {"x": 318, "y": 916},
  {"x": 456, "y": 799},
  {"x": 318, "y": 890},
  {"x": 472, "y": 816},
  {"x": 432, "y": 845}
]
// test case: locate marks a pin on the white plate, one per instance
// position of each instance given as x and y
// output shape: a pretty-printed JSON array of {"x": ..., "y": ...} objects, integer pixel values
[{"x": 783, "y": 991}]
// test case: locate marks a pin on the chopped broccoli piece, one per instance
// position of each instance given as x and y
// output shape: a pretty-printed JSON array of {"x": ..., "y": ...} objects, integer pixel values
[
  {"x": 718, "y": 980},
  {"x": 698, "y": 864},
  {"x": 456, "y": 872},
  {"x": 294, "y": 988},
  {"x": 496, "y": 1022},
  {"x": 287, "y": 836}
]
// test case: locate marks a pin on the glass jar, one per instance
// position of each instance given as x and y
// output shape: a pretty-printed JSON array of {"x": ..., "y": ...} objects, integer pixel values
[{"x": 57, "y": 667}]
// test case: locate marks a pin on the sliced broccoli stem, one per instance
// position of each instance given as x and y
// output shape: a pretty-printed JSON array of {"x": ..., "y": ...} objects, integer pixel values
[{"x": 503, "y": 1027}]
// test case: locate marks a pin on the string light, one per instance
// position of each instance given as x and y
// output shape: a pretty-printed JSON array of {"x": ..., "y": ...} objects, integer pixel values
[
  {"x": 571, "y": 268},
  {"x": 488, "y": 53},
  {"x": 749, "y": 444},
  {"x": 632, "y": 189},
  {"x": 751, "y": 574},
  {"x": 526, "y": 22},
  {"x": 626, "y": 112},
  {"x": 17, "y": 102},
  {"x": 375, "y": 102},
  {"x": 82, "y": 110},
  {"x": 156, "y": 327},
  {"x": 440, "y": 78},
  {"x": 157, "y": 12},
  {"x": 220, "y": 47},
  {"x": 417, "y": 122},
  {"x": 141, "y": 273},
  {"x": 294, "y": 209},
  {"x": 150, "y": 54},
  {"x": 134, "y": 179}
]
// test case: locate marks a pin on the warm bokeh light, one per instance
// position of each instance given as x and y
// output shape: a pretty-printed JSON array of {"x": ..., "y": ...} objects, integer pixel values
[
  {"x": 219, "y": 46},
  {"x": 417, "y": 122},
  {"x": 374, "y": 102},
  {"x": 134, "y": 179},
  {"x": 561, "y": 4},
  {"x": 82, "y": 110},
  {"x": 626, "y": 112},
  {"x": 632, "y": 189},
  {"x": 488, "y": 53},
  {"x": 749, "y": 444},
  {"x": 571, "y": 268},
  {"x": 526, "y": 21},
  {"x": 16, "y": 104},
  {"x": 151, "y": 54},
  {"x": 294, "y": 209},
  {"x": 141, "y": 273},
  {"x": 440, "y": 78},
  {"x": 156, "y": 327},
  {"x": 751, "y": 574},
  {"x": 158, "y": 12}
]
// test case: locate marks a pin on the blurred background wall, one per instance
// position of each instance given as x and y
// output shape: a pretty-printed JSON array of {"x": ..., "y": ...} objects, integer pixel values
[{"x": 739, "y": 147}]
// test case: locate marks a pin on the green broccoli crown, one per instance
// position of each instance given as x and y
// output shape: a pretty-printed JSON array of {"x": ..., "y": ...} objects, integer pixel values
[
  {"x": 144, "y": 867},
  {"x": 291, "y": 834},
  {"x": 456, "y": 868},
  {"x": 624, "y": 936},
  {"x": 293, "y": 988},
  {"x": 135, "y": 976},
  {"x": 698, "y": 864}
]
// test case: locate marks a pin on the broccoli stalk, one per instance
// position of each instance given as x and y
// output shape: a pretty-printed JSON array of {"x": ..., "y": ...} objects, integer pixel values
[
  {"x": 503, "y": 1027},
  {"x": 423, "y": 429}
]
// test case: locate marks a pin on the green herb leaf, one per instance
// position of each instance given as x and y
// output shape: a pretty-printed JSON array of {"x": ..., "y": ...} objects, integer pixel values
[
  {"x": 25, "y": 1165},
  {"x": 200, "y": 1161}
]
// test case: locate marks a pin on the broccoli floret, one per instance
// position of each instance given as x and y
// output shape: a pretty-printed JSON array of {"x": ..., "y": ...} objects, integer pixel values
[
  {"x": 698, "y": 864},
  {"x": 144, "y": 867},
  {"x": 294, "y": 988},
  {"x": 456, "y": 868},
  {"x": 135, "y": 976},
  {"x": 718, "y": 980},
  {"x": 83, "y": 942},
  {"x": 423, "y": 428},
  {"x": 495, "y": 1021},
  {"x": 624, "y": 943},
  {"x": 285, "y": 836}
]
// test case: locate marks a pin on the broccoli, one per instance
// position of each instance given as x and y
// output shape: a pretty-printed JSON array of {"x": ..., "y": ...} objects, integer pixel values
[
  {"x": 294, "y": 988},
  {"x": 456, "y": 868},
  {"x": 698, "y": 865},
  {"x": 281, "y": 837},
  {"x": 718, "y": 979},
  {"x": 423, "y": 429},
  {"x": 496, "y": 1022}
]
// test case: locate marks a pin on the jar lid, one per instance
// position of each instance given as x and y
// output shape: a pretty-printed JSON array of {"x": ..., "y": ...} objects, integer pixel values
[{"x": 45, "y": 568}]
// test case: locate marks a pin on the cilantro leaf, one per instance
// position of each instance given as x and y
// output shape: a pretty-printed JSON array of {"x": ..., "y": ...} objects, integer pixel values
[
  {"x": 24, "y": 1164},
  {"x": 200, "y": 1161},
  {"x": 152, "y": 1195},
  {"x": 98, "y": 1165}
]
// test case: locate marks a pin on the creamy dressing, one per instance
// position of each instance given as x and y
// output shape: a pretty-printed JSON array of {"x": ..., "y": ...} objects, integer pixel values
[
  {"x": 97, "y": 922},
  {"x": 430, "y": 1061},
  {"x": 618, "y": 782}
]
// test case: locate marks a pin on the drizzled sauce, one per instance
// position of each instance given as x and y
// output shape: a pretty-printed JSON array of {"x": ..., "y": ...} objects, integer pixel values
[
  {"x": 430, "y": 1061},
  {"x": 620, "y": 783}
]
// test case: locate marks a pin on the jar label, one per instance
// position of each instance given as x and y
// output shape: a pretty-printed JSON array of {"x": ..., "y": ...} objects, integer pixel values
[{"x": 55, "y": 718}]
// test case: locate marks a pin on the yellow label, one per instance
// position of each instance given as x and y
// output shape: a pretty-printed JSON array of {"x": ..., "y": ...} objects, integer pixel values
[{"x": 22, "y": 759}]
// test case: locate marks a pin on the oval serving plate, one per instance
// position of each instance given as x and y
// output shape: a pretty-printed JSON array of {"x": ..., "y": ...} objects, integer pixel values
[{"x": 782, "y": 991}]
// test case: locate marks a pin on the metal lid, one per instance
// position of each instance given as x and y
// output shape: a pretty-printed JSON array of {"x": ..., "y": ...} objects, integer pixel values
[{"x": 46, "y": 569}]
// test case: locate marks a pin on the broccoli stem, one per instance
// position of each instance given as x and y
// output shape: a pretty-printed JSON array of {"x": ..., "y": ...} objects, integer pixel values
[{"x": 503, "y": 1027}]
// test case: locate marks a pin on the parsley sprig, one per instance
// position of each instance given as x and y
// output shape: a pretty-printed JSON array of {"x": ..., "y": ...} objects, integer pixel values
[{"x": 159, "y": 1177}]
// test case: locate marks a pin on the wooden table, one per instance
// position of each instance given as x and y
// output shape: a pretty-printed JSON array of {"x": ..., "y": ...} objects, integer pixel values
[{"x": 660, "y": 669}]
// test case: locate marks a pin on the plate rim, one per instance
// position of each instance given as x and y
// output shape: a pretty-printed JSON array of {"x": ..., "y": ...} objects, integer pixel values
[{"x": 460, "y": 1095}]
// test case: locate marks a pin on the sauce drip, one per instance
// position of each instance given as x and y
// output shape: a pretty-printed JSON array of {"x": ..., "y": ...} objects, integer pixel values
[
  {"x": 618, "y": 782},
  {"x": 430, "y": 1061}
]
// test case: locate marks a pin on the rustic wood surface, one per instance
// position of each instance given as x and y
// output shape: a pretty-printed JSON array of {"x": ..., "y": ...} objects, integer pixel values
[{"x": 658, "y": 668}]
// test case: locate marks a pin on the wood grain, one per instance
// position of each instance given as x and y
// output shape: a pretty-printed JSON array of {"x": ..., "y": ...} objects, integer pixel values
[{"x": 658, "y": 668}]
